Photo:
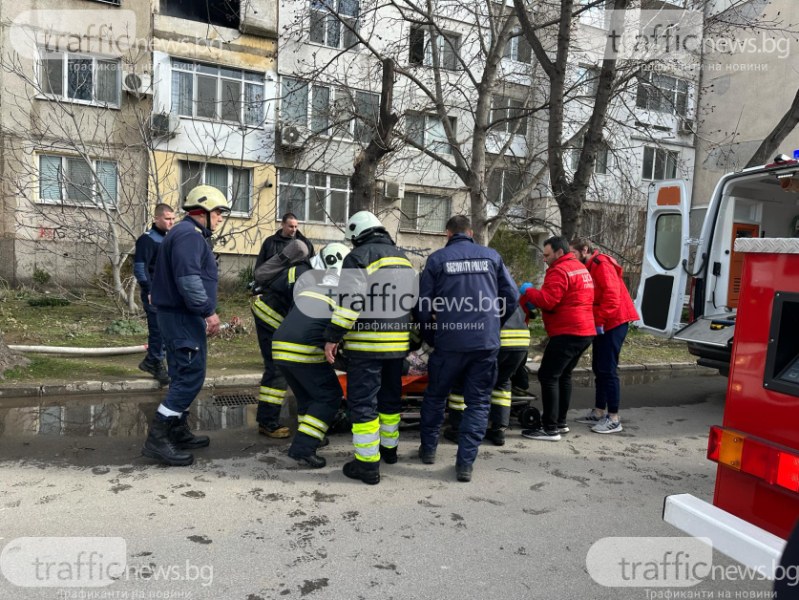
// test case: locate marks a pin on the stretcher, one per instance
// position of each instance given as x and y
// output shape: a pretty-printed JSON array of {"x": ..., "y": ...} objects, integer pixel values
[{"x": 413, "y": 387}]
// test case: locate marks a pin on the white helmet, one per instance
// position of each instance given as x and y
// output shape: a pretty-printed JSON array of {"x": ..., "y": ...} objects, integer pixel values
[
  {"x": 333, "y": 256},
  {"x": 361, "y": 224}
]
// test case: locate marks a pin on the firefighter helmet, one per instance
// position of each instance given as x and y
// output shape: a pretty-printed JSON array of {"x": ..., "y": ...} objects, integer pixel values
[
  {"x": 361, "y": 224},
  {"x": 207, "y": 198},
  {"x": 333, "y": 256}
]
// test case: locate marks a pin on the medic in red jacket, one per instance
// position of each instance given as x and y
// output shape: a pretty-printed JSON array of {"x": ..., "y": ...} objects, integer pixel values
[{"x": 612, "y": 303}]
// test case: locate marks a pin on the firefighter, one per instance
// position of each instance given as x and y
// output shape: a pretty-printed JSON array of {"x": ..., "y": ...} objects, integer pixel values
[
  {"x": 514, "y": 341},
  {"x": 375, "y": 335},
  {"x": 465, "y": 296},
  {"x": 184, "y": 294},
  {"x": 298, "y": 349},
  {"x": 269, "y": 308}
]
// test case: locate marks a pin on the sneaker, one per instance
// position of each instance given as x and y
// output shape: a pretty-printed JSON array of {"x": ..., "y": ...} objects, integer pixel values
[
  {"x": 563, "y": 428},
  {"x": 589, "y": 418},
  {"x": 541, "y": 434},
  {"x": 607, "y": 425},
  {"x": 274, "y": 430}
]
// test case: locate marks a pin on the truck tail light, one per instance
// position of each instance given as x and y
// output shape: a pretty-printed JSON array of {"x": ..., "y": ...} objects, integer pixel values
[{"x": 776, "y": 465}]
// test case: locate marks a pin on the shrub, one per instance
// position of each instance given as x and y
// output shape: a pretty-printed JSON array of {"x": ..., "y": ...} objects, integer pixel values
[
  {"x": 40, "y": 276},
  {"x": 515, "y": 250},
  {"x": 126, "y": 327}
]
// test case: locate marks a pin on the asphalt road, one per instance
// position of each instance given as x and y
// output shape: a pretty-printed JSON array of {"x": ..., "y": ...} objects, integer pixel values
[{"x": 244, "y": 523}]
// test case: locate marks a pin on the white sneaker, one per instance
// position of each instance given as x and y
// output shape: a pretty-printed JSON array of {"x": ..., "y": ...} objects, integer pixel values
[
  {"x": 590, "y": 418},
  {"x": 607, "y": 425}
]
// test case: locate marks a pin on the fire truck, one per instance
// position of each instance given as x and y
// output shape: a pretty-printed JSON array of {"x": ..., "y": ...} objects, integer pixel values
[
  {"x": 756, "y": 496},
  {"x": 686, "y": 255}
]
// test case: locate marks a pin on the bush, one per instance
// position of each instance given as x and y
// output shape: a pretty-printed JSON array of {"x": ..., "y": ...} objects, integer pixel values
[
  {"x": 245, "y": 276},
  {"x": 40, "y": 276},
  {"x": 47, "y": 301},
  {"x": 517, "y": 254},
  {"x": 126, "y": 327}
]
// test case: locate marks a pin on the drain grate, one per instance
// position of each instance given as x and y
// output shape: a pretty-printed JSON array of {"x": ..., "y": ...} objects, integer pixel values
[{"x": 234, "y": 400}]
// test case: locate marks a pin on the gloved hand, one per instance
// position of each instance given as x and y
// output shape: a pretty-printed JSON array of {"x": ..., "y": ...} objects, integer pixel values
[
  {"x": 524, "y": 287},
  {"x": 527, "y": 306},
  {"x": 600, "y": 330}
]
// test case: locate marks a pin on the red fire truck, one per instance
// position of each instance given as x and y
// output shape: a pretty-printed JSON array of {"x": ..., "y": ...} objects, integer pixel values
[{"x": 756, "y": 498}]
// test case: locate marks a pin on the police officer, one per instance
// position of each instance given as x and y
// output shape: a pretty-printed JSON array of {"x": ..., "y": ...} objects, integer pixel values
[
  {"x": 298, "y": 349},
  {"x": 184, "y": 294},
  {"x": 376, "y": 336},
  {"x": 514, "y": 341},
  {"x": 269, "y": 308},
  {"x": 465, "y": 295}
]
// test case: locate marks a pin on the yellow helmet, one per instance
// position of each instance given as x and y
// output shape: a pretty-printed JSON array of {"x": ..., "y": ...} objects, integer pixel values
[{"x": 207, "y": 198}]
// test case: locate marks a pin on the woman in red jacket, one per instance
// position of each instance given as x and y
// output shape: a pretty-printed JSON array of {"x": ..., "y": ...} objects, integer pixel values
[{"x": 566, "y": 301}]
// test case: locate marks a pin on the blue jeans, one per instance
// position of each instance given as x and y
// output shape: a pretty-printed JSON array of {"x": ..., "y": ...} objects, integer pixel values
[
  {"x": 155, "y": 343},
  {"x": 605, "y": 364},
  {"x": 479, "y": 372},
  {"x": 186, "y": 357}
]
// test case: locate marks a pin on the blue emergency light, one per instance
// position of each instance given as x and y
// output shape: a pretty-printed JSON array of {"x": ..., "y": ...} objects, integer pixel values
[{"x": 796, "y": 154}]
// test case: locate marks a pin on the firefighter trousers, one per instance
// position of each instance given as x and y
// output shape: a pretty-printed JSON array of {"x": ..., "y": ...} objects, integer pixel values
[
  {"x": 273, "y": 386},
  {"x": 186, "y": 355}
]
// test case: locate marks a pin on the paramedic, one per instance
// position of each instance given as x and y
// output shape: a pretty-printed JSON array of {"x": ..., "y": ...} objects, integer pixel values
[
  {"x": 375, "y": 342},
  {"x": 184, "y": 294},
  {"x": 613, "y": 311},
  {"x": 566, "y": 303},
  {"x": 465, "y": 296}
]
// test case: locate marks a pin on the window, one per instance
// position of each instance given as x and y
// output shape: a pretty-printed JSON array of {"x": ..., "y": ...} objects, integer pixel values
[
  {"x": 217, "y": 93},
  {"x": 659, "y": 164},
  {"x": 421, "y": 212},
  {"x": 587, "y": 81},
  {"x": 518, "y": 49},
  {"x": 427, "y": 131},
  {"x": 595, "y": 16},
  {"x": 222, "y": 13},
  {"x": 503, "y": 185},
  {"x": 447, "y": 44},
  {"x": 80, "y": 78},
  {"x": 67, "y": 179},
  {"x": 233, "y": 182},
  {"x": 333, "y": 22},
  {"x": 509, "y": 115},
  {"x": 602, "y": 159},
  {"x": 668, "y": 240},
  {"x": 663, "y": 93},
  {"x": 329, "y": 110},
  {"x": 318, "y": 197}
]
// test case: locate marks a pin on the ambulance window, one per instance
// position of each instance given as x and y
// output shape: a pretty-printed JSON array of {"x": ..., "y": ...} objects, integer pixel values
[
  {"x": 782, "y": 358},
  {"x": 668, "y": 240}
]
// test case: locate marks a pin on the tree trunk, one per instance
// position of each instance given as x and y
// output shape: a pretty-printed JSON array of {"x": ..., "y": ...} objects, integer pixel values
[
  {"x": 10, "y": 359},
  {"x": 364, "y": 173},
  {"x": 771, "y": 143}
]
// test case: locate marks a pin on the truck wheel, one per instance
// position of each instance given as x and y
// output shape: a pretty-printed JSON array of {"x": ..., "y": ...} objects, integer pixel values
[{"x": 530, "y": 418}]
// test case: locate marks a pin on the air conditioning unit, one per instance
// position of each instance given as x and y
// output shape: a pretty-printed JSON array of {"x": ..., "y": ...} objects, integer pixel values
[
  {"x": 138, "y": 84},
  {"x": 394, "y": 190},
  {"x": 687, "y": 126},
  {"x": 293, "y": 136},
  {"x": 164, "y": 124}
]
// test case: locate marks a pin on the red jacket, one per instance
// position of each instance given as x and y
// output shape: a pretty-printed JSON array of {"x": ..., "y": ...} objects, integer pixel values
[
  {"x": 612, "y": 303},
  {"x": 565, "y": 299}
]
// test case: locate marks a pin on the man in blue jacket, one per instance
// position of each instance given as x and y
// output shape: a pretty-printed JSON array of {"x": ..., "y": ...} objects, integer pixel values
[
  {"x": 184, "y": 294},
  {"x": 465, "y": 296},
  {"x": 143, "y": 266}
]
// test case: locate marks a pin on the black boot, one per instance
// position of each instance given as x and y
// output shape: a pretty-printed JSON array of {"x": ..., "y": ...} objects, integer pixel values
[
  {"x": 388, "y": 455},
  {"x": 155, "y": 368},
  {"x": 369, "y": 473},
  {"x": 161, "y": 448},
  {"x": 312, "y": 461},
  {"x": 463, "y": 473},
  {"x": 183, "y": 438},
  {"x": 496, "y": 436}
]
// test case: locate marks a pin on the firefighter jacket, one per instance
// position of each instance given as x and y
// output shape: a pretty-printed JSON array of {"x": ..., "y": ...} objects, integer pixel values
[
  {"x": 566, "y": 298},
  {"x": 465, "y": 295},
  {"x": 275, "y": 301},
  {"x": 300, "y": 338},
  {"x": 144, "y": 260},
  {"x": 515, "y": 335},
  {"x": 612, "y": 303},
  {"x": 371, "y": 317},
  {"x": 275, "y": 243},
  {"x": 185, "y": 277}
]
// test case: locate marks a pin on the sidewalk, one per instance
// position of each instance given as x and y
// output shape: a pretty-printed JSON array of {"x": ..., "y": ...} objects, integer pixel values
[{"x": 215, "y": 380}]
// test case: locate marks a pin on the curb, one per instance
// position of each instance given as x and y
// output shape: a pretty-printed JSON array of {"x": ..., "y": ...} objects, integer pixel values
[{"x": 237, "y": 381}]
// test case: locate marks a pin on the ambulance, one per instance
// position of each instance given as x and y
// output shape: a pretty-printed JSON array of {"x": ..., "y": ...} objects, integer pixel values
[{"x": 691, "y": 253}]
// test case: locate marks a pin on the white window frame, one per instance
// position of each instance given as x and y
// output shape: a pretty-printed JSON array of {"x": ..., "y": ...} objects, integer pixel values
[
  {"x": 341, "y": 117},
  {"x": 505, "y": 104},
  {"x": 512, "y": 48},
  {"x": 603, "y": 149},
  {"x": 228, "y": 191},
  {"x": 499, "y": 181},
  {"x": 447, "y": 41},
  {"x": 96, "y": 200},
  {"x": 650, "y": 96},
  {"x": 63, "y": 96},
  {"x": 420, "y": 223},
  {"x": 668, "y": 158},
  {"x": 308, "y": 186},
  {"x": 180, "y": 68},
  {"x": 346, "y": 38},
  {"x": 428, "y": 141},
  {"x": 587, "y": 83}
]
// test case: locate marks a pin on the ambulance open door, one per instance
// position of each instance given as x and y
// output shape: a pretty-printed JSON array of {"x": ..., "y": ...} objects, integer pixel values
[{"x": 661, "y": 292}]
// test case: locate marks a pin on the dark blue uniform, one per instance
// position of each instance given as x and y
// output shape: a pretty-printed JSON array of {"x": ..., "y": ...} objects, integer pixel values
[
  {"x": 143, "y": 266},
  {"x": 184, "y": 293},
  {"x": 465, "y": 294}
]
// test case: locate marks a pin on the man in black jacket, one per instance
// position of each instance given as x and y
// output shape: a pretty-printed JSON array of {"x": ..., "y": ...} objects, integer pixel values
[{"x": 275, "y": 243}]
